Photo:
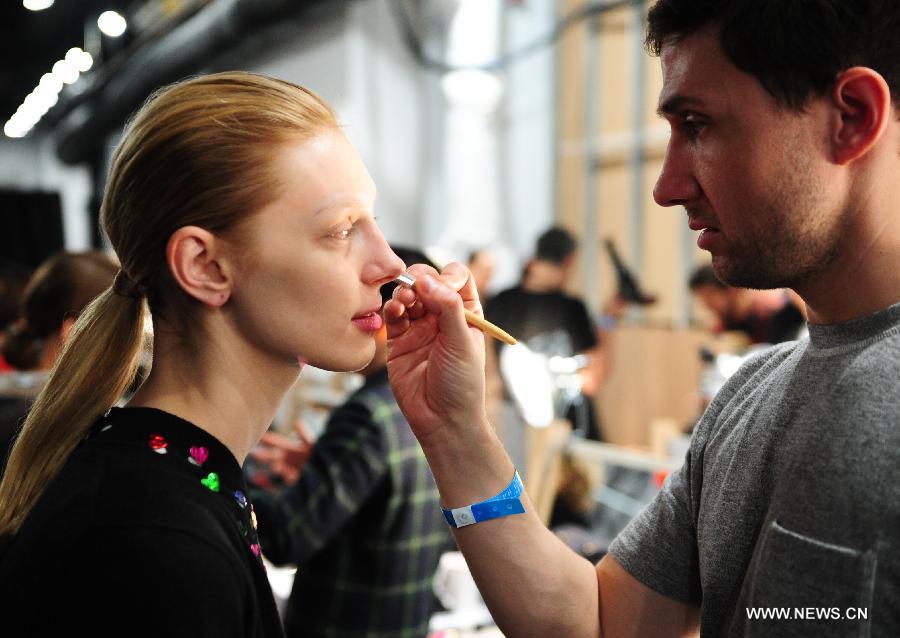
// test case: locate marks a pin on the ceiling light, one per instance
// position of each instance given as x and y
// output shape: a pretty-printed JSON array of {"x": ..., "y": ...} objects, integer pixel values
[
  {"x": 67, "y": 73},
  {"x": 112, "y": 23},
  {"x": 37, "y": 5},
  {"x": 85, "y": 62},
  {"x": 12, "y": 130},
  {"x": 46, "y": 94},
  {"x": 73, "y": 55},
  {"x": 79, "y": 59},
  {"x": 51, "y": 83}
]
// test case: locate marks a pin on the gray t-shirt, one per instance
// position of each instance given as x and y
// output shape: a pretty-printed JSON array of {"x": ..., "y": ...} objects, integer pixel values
[{"x": 789, "y": 497}]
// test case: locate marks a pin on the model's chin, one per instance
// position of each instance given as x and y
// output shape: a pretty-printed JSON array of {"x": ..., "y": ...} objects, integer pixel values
[{"x": 347, "y": 358}]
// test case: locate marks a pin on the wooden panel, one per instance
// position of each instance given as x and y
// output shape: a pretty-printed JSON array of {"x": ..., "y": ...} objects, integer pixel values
[
  {"x": 616, "y": 64},
  {"x": 655, "y": 368},
  {"x": 654, "y": 374}
]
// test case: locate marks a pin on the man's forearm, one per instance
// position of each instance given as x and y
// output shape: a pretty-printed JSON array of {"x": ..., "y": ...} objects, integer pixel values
[{"x": 533, "y": 584}]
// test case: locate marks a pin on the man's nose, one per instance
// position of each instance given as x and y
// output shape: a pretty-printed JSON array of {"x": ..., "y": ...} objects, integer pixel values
[{"x": 676, "y": 185}]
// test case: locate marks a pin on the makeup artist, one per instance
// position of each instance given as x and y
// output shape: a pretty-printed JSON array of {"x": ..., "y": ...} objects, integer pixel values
[{"x": 785, "y": 153}]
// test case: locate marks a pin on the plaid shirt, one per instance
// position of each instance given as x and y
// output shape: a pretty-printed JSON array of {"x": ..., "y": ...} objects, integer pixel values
[{"x": 363, "y": 524}]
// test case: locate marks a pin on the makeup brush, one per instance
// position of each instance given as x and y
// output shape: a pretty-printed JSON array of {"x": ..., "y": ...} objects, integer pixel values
[{"x": 471, "y": 318}]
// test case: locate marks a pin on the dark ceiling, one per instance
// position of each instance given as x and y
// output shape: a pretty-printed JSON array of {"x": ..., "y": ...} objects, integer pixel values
[
  {"x": 32, "y": 41},
  {"x": 165, "y": 40}
]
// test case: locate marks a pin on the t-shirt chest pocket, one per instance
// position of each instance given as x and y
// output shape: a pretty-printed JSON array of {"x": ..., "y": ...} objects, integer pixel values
[{"x": 817, "y": 588}]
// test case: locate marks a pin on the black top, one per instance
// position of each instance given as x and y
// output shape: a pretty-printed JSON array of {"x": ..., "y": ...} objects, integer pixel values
[
  {"x": 145, "y": 532},
  {"x": 783, "y": 325},
  {"x": 551, "y": 323}
]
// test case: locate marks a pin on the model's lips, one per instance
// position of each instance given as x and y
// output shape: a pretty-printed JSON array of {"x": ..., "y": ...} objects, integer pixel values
[
  {"x": 365, "y": 313},
  {"x": 369, "y": 321}
]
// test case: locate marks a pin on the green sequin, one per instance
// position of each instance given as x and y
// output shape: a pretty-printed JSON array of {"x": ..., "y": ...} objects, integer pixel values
[{"x": 211, "y": 481}]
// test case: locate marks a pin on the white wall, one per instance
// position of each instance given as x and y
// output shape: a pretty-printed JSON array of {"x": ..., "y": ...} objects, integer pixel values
[
  {"x": 356, "y": 60},
  {"x": 19, "y": 164},
  {"x": 529, "y": 129},
  {"x": 395, "y": 113}
]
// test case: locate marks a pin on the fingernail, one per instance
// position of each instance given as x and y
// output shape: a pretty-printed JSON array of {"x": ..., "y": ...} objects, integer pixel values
[{"x": 426, "y": 283}]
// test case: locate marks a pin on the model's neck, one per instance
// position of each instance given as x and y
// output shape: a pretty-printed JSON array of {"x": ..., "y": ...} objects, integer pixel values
[{"x": 231, "y": 394}]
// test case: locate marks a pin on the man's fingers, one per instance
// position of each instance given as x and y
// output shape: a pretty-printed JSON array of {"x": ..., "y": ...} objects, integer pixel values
[{"x": 445, "y": 303}]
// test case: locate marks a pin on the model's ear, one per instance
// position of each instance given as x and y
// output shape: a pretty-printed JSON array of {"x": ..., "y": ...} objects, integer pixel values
[
  {"x": 863, "y": 102},
  {"x": 194, "y": 259},
  {"x": 64, "y": 329}
]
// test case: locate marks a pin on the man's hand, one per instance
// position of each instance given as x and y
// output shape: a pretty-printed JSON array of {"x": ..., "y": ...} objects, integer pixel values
[{"x": 436, "y": 360}]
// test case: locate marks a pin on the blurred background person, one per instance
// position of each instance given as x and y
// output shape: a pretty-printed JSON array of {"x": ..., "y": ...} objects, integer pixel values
[
  {"x": 13, "y": 277},
  {"x": 481, "y": 264},
  {"x": 763, "y": 316},
  {"x": 541, "y": 314},
  {"x": 52, "y": 300},
  {"x": 362, "y": 522}
]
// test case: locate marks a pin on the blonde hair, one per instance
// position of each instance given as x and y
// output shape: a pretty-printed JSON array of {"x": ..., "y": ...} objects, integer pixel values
[{"x": 197, "y": 153}]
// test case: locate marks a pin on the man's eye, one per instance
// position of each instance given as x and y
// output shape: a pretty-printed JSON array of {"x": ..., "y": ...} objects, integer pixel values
[
  {"x": 344, "y": 233},
  {"x": 692, "y": 128}
]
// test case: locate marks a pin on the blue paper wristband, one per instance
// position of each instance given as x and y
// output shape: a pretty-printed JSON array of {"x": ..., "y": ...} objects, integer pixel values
[{"x": 505, "y": 503}]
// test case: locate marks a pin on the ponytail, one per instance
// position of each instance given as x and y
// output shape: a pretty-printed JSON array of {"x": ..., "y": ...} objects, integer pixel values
[{"x": 97, "y": 364}]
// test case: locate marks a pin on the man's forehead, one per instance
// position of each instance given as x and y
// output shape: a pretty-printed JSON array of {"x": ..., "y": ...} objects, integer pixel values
[{"x": 692, "y": 69}]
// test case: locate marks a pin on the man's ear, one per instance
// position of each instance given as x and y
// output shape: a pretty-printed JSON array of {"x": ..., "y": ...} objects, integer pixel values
[
  {"x": 195, "y": 261},
  {"x": 863, "y": 100}
]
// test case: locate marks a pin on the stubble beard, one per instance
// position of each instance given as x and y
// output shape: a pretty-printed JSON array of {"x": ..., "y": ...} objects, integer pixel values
[{"x": 796, "y": 236}]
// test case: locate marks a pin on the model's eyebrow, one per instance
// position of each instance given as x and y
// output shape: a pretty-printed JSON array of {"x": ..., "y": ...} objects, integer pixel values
[
  {"x": 349, "y": 203},
  {"x": 333, "y": 206},
  {"x": 676, "y": 103}
]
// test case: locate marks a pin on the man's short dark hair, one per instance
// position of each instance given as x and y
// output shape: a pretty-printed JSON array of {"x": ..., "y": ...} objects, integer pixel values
[
  {"x": 554, "y": 245},
  {"x": 795, "y": 48}
]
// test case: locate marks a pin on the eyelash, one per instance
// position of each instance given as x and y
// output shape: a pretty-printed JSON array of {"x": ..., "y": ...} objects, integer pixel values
[{"x": 344, "y": 234}]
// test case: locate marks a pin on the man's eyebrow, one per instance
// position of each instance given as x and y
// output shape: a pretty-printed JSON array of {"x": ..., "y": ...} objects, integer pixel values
[{"x": 675, "y": 103}]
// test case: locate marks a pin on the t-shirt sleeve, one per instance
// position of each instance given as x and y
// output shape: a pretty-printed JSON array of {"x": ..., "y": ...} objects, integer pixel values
[{"x": 659, "y": 546}]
